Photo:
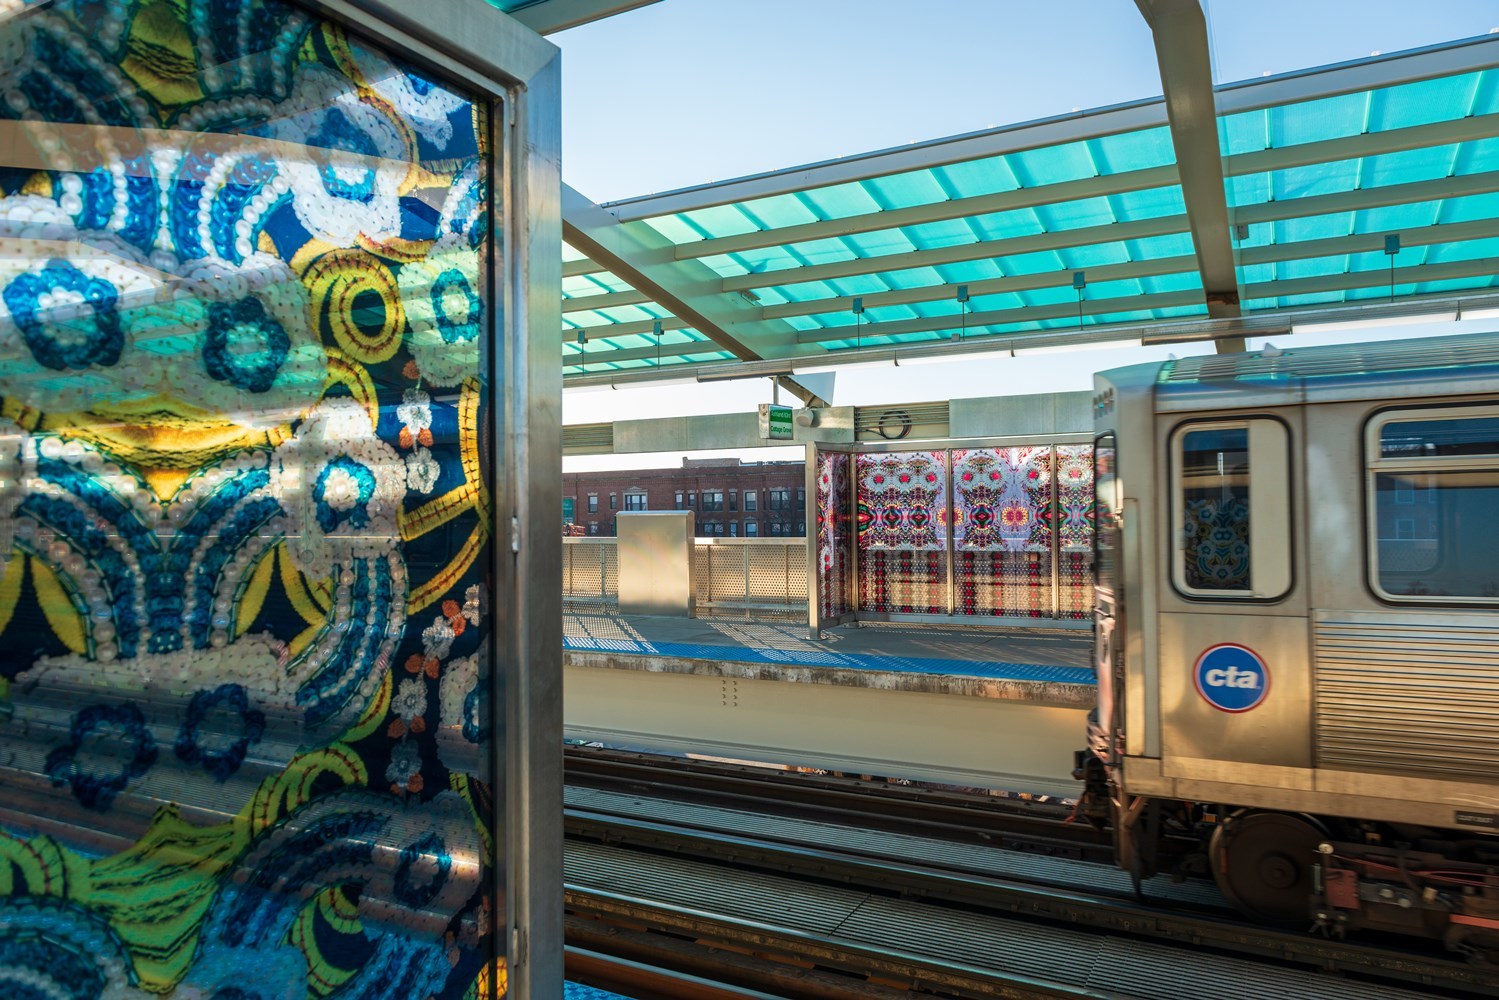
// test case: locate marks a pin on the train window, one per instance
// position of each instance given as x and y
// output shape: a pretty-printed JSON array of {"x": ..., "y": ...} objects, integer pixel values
[
  {"x": 1449, "y": 458},
  {"x": 1109, "y": 509},
  {"x": 1231, "y": 509}
]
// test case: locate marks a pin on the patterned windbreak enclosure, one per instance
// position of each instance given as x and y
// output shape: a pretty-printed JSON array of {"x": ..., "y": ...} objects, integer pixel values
[
  {"x": 970, "y": 533},
  {"x": 245, "y": 635}
]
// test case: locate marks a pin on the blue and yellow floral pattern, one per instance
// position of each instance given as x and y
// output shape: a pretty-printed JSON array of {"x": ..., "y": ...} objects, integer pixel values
[{"x": 244, "y": 510}]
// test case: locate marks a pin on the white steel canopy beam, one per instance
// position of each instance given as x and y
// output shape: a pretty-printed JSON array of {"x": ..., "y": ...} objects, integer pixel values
[
  {"x": 546, "y": 17},
  {"x": 689, "y": 290},
  {"x": 1181, "y": 47}
]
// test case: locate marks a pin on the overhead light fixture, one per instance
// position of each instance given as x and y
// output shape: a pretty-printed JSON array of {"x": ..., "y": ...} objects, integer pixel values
[
  {"x": 1313, "y": 325},
  {"x": 1085, "y": 345},
  {"x": 843, "y": 366},
  {"x": 746, "y": 369},
  {"x": 993, "y": 353}
]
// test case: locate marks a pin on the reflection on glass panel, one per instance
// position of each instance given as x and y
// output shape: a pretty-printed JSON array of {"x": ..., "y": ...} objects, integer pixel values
[
  {"x": 1451, "y": 550},
  {"x": 1215, "y": 509},
  {"x": 243, "y": 501},
  {"x": 1446, "y": 438}
]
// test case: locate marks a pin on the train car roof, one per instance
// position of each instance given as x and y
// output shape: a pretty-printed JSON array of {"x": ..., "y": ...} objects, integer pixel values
[{"x": 1464, "y": 363}]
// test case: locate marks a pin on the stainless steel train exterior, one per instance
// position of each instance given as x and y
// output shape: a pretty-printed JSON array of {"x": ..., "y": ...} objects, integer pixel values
[{"x": 1298, "y": 630}]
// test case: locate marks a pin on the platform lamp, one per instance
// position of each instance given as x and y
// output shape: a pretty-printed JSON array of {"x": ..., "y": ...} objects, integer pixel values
[
  {"x": 656, "y": 329},
  {"x": 583, "y": 350},
  {"x": 962, "y": 314},
  {"x": 1079, "y": 282},
  {"x": 858, "y": 310},
  {"x": 1391, "y": 248}
]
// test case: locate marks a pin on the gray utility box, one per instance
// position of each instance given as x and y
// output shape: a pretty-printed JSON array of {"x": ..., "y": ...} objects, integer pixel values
[{"x": 656, "y": 575}]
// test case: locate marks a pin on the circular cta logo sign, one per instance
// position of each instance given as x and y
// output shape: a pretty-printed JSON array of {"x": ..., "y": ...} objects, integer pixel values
[{"x": 1231, "y": 678}]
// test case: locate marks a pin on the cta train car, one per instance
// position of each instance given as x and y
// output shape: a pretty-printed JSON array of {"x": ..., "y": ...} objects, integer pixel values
[{"x": 1298, "y": 631}]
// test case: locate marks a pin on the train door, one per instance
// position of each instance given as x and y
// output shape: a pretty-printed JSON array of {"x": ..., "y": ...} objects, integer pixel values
[{"x": 1234, "y": 686}]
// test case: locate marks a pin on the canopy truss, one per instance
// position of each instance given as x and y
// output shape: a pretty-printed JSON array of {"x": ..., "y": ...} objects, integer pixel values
[{"x": 1367, "y": 182}]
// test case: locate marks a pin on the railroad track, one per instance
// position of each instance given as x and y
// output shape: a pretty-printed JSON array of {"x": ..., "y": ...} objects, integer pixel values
[
  {"x": 1016, "y": 823},
  {"x": 980, "y": 919}
]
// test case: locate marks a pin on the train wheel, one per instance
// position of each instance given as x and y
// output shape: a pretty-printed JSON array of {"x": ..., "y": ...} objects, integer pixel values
[{"x": 1262, "y": 861}]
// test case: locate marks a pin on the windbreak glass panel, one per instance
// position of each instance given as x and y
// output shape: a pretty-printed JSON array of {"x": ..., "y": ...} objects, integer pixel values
[
  {"x": 1215, "y": 509},
  {"x": 248, "y": 392},
  {"x": 1447, "y": 438},
  {"x": 1434, "y": 533}
]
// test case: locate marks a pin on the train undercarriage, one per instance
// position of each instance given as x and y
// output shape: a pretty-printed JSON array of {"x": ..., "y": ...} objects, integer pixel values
[{"x": 1328, "y": 875}]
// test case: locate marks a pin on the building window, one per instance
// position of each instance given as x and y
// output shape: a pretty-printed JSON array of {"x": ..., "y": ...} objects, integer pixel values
[
  {"x": 681, "y": 501},
  {"x": 801, "y": 528},
  {"x": 712, "y": 500},
  {"x": 751, "y": 501},
  {"x": 734, "y": 528},
  {"x": 1452, "y": 455},
  {"x": 614, "y": 501},
  {"x": 801, "y": 497},
  {"x": 692, "y": 499},
  {"x": 775, "y": 527},
  {"x": 593, "y": 503},
  {"x": 751, "y": 529},
  {"x": 635, "y": 501},
  {"x": 733, "y": 499},
  {"x": 779, "y": 500}
]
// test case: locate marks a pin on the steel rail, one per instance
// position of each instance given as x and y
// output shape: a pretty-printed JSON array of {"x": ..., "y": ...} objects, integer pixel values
[
  {"x": 1012, "y": 898},
  {"x": 1016, "y": 824},
  {"x": 889, "y": 965},
  {"x": 609, "y": 956}
]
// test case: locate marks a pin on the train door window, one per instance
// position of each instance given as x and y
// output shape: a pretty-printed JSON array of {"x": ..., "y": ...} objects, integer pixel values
[
  {"x": 1109, "y": 511},
  {"x": 1449, "y": 458},
  {"x": 1231, "y": 509}
]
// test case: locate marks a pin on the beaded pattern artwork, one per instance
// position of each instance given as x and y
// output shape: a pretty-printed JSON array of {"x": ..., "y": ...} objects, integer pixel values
[
  {"x": 1076, "y": 520},
  {"x": 902, "y": 532},
  {"x": 244, "y": 511},
  {"x": 1003, "y": 531},
  {"x": 833, "y": 543}
]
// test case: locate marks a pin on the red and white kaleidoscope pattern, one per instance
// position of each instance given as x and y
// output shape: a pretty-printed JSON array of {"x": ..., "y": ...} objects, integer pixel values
[
  {"x": 834, "y": 546},
  {"x": 903, "y": 519},
  {"x": 1075, "y": 520},
  {"x": 1003, "y": 532}
]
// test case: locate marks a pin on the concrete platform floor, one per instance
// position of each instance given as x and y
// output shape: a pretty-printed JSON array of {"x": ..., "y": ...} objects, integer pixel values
[{"x": 1048, "y": 656}]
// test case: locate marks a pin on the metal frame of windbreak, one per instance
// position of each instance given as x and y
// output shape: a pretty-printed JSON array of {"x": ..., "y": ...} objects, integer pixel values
[
  {"x": 474, "y": 46},
  {"x": 947, "y": 446}
]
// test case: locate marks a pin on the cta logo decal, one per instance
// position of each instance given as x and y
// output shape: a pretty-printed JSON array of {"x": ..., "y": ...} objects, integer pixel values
[{"x": 1231, "y": 678}]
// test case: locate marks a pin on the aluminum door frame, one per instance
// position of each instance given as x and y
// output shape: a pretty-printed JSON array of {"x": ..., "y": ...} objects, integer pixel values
[{"x": 473, "y": 44}]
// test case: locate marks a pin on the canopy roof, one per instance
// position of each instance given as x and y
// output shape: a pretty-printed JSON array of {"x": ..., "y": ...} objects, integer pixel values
[{"x": 1208, "y": 209}]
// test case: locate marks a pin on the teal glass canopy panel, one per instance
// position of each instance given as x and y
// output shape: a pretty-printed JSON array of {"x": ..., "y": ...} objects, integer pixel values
[{"x": 244, "y": 544}]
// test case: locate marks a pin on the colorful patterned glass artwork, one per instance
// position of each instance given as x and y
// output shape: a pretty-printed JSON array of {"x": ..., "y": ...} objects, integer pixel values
[
  {"x": 1075, "y": 519},
  {"x": 833, "y": 543},
  {"x": 244, "y": 510},
  {"x": 1003, "y": 531},
  {"x": 902, "y": 531}
]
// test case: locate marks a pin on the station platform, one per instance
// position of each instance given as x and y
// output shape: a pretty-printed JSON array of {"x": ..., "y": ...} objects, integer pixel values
[
  {"x": 997, "y": 708},
  {"x": 1048, "y": 666}
]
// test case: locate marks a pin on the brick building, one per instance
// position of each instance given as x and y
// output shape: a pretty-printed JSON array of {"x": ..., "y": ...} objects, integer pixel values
[{"x": 731, "y": 497}]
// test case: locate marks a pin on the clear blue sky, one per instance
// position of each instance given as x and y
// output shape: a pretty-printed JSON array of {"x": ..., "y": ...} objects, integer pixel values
[{"x": 684, "y": 92}]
